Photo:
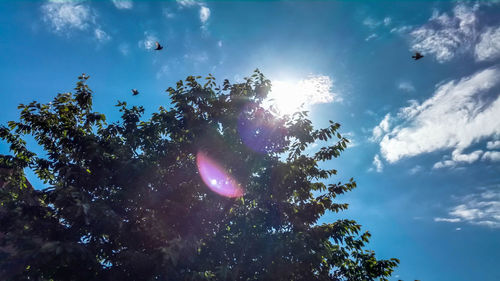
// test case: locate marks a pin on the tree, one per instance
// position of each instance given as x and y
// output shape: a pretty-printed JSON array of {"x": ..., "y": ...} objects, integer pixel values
[{"x": 129, "y": 200}]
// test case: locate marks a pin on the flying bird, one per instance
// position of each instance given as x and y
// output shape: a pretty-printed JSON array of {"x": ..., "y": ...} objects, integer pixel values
[
  {"x": 417, "y": 56},
  {"x": 135, "y": 92},
  {"x": 158, "y": 46}
]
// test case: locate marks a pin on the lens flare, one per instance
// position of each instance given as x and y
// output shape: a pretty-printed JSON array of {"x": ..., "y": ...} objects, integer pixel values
[
  {"x": 260, "y": 130},
  {"x": 214, "y": 176}
]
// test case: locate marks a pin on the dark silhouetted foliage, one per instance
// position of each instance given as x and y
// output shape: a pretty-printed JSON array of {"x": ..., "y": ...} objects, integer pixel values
[{"x": 125, "y": 200}]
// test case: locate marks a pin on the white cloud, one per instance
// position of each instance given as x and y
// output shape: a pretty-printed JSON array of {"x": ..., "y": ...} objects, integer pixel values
[
  {"x": 350, "y": 136},
  {"x": 101, "y": 36},
  {"x": 64, "y": 16},
  {"x": 123, "y": 4},
  {"x": 204, "y": 14},
  {"x": 447, "y": 220},
  {"x": 124, "y": 49},
  {"x": 459, "y": 157},
  {"x": 493, "y": 144},
  {"x": 372, "y": 36},
  {"x": 467, "y": 212},
  {"x": 186, "y": 3},
  {"x": 317, "y": 89},
  {"x": 219, "y": 44},
  {"x": 481, "y": 208},
  {"x": 381, "y": 128},
  {"x": 379, "y": 166},
  {"x": 459, "y": 114},
  {"x": 168, "y": 14},
  {"x": 401, "y": 29},
  {"x": 489, "y": 194},
  {"x": 488, "y": 47},
  {"x": 387, "y": 21},
  {"x": 406, "y": 86},
  {"x": 373, "y": 23},
  {"x": 200, "y": 57},
  {"x": 493, "y": 156},
  {"x": 148, "y": 42},
  {"x": 444, "y": 36},
  {"x": 444, "y": 164},
  {"x": 415, "y": 169}
]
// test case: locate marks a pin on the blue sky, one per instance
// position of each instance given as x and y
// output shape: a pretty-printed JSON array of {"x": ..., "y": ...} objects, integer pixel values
[{"x": 426, "y": 134}]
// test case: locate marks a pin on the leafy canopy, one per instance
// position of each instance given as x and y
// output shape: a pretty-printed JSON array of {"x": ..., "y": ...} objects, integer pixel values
[{"x": 126, "y": 202}]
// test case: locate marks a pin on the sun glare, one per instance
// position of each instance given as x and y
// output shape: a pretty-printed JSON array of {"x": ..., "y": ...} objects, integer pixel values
[
  {"x": 285, "y": 97},
  {"x": 290, "y": 97}
]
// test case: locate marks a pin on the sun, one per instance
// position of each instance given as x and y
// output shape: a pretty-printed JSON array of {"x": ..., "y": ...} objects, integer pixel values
[{"x": 286, "y": 97}]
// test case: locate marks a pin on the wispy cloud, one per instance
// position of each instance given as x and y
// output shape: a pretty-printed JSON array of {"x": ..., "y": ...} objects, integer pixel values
[
  {"x": 124, "y": 48},
  {"x": 387, "y": 21},
  {"x": 406, "y": 86},
  {"x": 351, "y": 137},
  {"x": 382, "y": 128},
  {"x": 370, "y": 22},
  {"x": 446, "y": 35},
  {"x": 373, "y": 23},
  {"x": 401, "y": 29},
  {"x": 148, "y": 42},
  {"x": 371, "y": 37},
  {"x": 480, "y": 208},
  {"x": 186, "y": 3},
  {"x": 444, "y": 164},
  {"x": 101, "y": 35},
  {"x": 318, "y": 89},
  {"x": 377, "y": 165},
  {"x": 488, "y": 47},
  {"x": 204, "y": 14},
  {"x": 123, "y": 4},
  {"x": 168, "y": 13},
  {"x": 459, "y": 114},
  {"x": 415, "y": 170},
  {"x": 447, "y": 219},
  {"x": 459, "y": 158},
  {"x": 199, "y": 57},
  {"x": 64, "y": 16}
]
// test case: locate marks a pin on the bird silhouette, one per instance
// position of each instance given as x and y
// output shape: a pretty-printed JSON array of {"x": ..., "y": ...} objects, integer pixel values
[
  {"x": 417, "y": 56},
  {"x": 158, "y": 46},
  {"x": 135, "y": 92}
]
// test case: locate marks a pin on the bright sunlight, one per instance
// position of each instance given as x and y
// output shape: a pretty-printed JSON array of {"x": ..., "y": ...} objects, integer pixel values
[{"x": 289, "y": 97}]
